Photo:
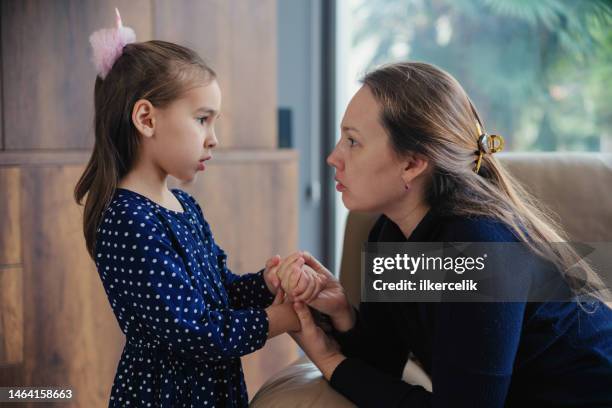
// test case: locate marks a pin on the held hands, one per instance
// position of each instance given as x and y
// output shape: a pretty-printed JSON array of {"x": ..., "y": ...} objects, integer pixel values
[
  {"x": 298, "y": 280},
  {"x": 305, "y": 279}
]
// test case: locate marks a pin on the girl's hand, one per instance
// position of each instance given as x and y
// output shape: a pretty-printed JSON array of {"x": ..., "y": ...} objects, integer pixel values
[
  {"x": 279, "y": 298},
  {"x": 322, "y": 350},
  {"x": 288, "y": 272},
  {"x": 269, "y": 274},
  {"x": 309, "y": 284}
]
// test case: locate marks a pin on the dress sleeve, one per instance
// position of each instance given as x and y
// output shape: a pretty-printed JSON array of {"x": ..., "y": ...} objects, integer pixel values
[
  {"x": 154, "y": 296},
  {"x": 247, "y": 290},
  {"x": 473, "y": 355}
]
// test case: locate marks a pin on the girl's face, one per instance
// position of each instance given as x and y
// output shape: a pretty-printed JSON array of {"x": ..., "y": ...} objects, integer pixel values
[
  {"x": 368, "y": 173},
  {"x": 185, "y": 132}
]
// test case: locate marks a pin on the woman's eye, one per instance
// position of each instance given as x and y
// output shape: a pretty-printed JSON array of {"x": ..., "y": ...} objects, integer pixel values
[
  {"x": 351, "y": 141},
  {"x": 202, "y": 119}
]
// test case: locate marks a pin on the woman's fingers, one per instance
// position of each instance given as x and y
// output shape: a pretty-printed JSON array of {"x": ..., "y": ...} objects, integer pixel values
[
  {"x": 300, "y": 281},
  {"x": 303, "y": 313},
  {"x": 313, "y": 262},
  {"x": 320, "y": 282},
  {"x": 295, "y": 276},
  {"x": 309, "y": 286}
]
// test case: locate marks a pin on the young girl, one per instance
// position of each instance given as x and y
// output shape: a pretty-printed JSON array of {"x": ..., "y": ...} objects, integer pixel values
[{"x": 186, "y": 317}]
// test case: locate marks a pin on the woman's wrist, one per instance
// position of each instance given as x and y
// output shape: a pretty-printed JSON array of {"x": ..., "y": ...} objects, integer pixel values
[
  {"x": 328, "y": 365},
  {"x": 344, "y": 320}
]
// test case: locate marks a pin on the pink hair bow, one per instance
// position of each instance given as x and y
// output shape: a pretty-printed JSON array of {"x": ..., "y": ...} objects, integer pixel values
[{"x": 108, "y": 44}]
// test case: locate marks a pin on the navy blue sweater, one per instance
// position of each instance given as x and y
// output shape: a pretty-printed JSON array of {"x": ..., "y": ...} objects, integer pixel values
[{"x": 477, "y": 354}]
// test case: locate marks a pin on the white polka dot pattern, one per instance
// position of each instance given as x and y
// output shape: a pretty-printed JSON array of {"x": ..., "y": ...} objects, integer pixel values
[{"x": 186, "y": 317}]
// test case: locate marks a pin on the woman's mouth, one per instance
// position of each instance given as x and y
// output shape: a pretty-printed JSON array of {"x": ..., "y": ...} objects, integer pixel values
[{"x": 340, "y": 187}]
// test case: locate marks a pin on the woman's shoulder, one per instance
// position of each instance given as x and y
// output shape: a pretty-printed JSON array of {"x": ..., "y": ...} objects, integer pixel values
[
  {"x": 464, "y": 228},
  {"x": 444, "y": 227}
]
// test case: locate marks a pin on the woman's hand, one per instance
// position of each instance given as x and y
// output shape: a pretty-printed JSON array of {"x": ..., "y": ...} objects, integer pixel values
[
  {"x": 322, "y": 350},
  {"x": 332, "y": 299}
]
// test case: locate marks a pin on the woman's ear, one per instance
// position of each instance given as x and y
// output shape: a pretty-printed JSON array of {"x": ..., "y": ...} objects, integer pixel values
[
  {"x": 413, "y": 166},
  {"x": 143, "y": 117}
]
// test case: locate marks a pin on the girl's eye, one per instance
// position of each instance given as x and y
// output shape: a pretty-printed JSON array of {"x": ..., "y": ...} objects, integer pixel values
[
  {"x": 202, "y": 119},
  {"x": 352, "y": 142}
]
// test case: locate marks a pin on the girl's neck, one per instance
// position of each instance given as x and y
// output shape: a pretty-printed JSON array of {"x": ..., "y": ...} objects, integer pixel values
[{"x": 149, "y": 180}]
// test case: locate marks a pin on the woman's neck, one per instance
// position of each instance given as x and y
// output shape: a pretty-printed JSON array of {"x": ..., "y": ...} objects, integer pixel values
[{"x": 409, "y": 217}]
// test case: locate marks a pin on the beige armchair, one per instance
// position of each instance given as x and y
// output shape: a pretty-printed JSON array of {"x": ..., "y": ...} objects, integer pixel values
[{"x": 577, "y": 187}]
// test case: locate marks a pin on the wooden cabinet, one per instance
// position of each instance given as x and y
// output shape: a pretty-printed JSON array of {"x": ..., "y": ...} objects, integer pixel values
[{"x": 11, "y": 270}]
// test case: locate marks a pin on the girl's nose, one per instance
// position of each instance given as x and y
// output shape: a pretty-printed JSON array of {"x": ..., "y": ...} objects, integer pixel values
[{"x": 211, "y": 141}]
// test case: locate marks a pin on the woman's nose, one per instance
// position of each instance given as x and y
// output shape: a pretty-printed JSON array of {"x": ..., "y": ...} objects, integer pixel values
[{"x": 334, "y": 160}]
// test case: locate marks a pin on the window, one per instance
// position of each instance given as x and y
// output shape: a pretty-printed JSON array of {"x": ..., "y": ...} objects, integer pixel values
[{"x": 539, "y": 72}]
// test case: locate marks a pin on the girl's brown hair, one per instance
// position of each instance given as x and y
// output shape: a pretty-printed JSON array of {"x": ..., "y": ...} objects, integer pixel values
[
  {"x": 157, "y": 71},
  {"x": 426, "y": 111}
]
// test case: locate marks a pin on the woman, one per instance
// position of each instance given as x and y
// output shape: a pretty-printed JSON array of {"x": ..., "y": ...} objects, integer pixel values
[{"x": 413, "y": 150}]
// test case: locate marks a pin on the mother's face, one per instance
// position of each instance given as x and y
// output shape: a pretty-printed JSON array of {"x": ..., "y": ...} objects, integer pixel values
[{"x": 368, "y": 173}]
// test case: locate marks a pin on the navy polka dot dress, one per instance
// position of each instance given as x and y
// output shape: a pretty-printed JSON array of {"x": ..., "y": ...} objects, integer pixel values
[{"x": 187, "y": 319}]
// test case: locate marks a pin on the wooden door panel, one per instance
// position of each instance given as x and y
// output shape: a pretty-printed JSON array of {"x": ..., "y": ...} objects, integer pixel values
[
  {"x": 238, "y": 39},
  {"x": 47, "y": 74}
]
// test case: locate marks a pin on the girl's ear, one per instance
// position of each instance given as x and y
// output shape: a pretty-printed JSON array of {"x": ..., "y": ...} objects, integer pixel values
[
  {"x": 413, "y": 166},
  {"x": 143, "y": 117}
]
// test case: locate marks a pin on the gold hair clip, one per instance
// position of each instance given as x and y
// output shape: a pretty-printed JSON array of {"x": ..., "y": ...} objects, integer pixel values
[{"x": 487, "y": 144}]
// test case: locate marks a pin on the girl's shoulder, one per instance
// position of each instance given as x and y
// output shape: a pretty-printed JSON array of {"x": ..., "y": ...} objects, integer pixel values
[
  {"x": 189, "y": 202},
  {"x": 129, "y": 208}
]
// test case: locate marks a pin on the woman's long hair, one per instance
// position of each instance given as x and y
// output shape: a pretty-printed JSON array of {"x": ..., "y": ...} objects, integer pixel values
[
  {"x": 426, "y": 111},
  {"x": 157, "y": 71}
]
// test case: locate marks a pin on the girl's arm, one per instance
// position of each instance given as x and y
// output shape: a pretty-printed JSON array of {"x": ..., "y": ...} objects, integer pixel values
[
  {"x": 281, "y": 318},
  {"x": 247, "y": 290},
  {"x": 155, "y": 298}
]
